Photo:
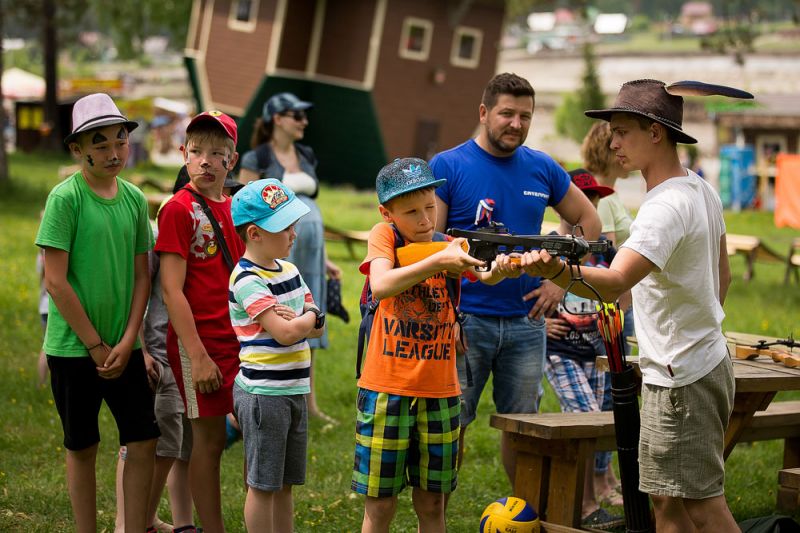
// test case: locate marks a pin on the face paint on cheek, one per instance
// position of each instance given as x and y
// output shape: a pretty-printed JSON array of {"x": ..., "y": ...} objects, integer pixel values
[
  {"x": 225, "y": 163},
  {"x": 90, "y": 160}
]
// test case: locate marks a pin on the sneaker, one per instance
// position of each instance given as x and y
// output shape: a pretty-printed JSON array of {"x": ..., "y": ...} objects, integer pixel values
[{"x": 602, "y": 519}]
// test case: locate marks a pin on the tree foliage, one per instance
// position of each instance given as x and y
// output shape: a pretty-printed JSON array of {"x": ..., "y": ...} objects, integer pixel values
[
  {"x": 130, "y": 23},
  {"x": 569, "y": 117}
]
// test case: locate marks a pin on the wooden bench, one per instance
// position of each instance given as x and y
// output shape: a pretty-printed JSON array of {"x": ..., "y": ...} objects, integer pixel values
[
  {"x": 552, "y": 450},
  {"x": 752, "y": 249},
  {"x": 349, "y": 237}
]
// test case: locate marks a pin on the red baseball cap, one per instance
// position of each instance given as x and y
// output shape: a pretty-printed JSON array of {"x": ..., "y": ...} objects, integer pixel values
[
  {"x": 227, "y": 123},
  {"x": 586, "y": 182}
]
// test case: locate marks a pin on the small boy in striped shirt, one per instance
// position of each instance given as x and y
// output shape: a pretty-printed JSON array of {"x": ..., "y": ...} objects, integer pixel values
[{"x": 273, "y": 314}]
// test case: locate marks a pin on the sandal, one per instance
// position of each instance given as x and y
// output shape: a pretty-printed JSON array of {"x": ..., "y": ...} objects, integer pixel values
[
  {"x": 612, "y": 498},
  {"x": 602, "y": 519}
]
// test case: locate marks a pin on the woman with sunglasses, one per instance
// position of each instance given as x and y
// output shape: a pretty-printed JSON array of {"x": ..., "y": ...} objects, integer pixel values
[{"x": 276, "y": 153}]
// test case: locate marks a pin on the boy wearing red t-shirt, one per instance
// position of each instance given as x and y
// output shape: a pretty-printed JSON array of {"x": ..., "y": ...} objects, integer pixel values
[
  {"x": 202, "y": 348},
  {"x": 408, "y": 400}
]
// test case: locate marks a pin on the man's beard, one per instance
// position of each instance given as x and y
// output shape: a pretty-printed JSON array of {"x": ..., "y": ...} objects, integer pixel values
[{"x": 501, "y": 146}]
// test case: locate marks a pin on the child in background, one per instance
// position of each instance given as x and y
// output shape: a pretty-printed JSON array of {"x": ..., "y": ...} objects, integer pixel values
[
  {"x": 202, "y": 348},
  {"x": 573, "y": 344},
  {"x": 174, "y": 446},
  {"x": 96, "y": 234},
  {"x": 273, "y": 313},
  {"x": 407, "y": 425}
]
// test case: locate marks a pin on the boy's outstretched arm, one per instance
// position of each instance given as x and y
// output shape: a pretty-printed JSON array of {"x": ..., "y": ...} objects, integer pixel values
[
  {"x": 386, "y": 281},
  {"x": 56, "y": 265},
  {"x": 206, "y": 376},
  {"x": 120, "y": 354},
  {"x": 626, "y": 270}
]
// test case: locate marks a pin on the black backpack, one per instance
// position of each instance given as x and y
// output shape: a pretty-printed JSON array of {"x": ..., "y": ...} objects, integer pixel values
[{"x": 368, "y": 305}]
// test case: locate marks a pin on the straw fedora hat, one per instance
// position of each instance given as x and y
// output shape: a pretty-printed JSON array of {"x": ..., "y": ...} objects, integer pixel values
[{"x": 96, "y": 111}]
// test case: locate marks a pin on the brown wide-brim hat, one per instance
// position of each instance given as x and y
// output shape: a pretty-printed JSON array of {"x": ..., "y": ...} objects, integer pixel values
[{"x": 649, "y": 98}]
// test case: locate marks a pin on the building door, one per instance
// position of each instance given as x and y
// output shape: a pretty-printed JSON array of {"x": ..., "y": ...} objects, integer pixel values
[{"x": 426, "y": 139}]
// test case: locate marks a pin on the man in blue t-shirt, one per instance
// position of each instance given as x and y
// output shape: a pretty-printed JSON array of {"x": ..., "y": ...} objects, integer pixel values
[{"x": 494, "y": 178}]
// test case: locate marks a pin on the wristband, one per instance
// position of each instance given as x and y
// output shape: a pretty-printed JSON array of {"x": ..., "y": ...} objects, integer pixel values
[
  {"x": 563, "y": 267},
  {"x": 95, "y": 346}
]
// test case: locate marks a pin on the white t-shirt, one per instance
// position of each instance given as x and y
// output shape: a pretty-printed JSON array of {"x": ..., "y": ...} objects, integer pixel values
[{"x": 676, "y": 307}]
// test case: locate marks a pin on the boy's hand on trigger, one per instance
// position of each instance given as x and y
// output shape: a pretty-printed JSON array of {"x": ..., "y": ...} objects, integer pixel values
[
  {"x": 455, "y": 260},
  {"x": 509, "y": 265},
  {"x": 206, "y": 376}
]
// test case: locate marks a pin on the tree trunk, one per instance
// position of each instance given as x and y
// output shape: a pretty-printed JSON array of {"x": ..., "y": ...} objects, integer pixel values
[
  {"x": 51, "y": 130},
  {"x": 3, "y": 155}
]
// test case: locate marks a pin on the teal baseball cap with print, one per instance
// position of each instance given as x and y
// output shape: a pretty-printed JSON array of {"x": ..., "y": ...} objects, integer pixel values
[
  {"x": 402, "y": 176},
  {"x": 268, "y": 204}
]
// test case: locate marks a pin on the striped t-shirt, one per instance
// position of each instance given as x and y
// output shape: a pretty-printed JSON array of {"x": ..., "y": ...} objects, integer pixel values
[{"x": 266, "y": 366}]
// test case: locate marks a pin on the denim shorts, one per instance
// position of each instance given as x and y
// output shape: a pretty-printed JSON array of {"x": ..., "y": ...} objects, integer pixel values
[{"x": 512, "y": 350}]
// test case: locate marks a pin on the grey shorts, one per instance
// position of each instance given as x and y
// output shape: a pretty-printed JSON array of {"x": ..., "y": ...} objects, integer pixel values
[
  {"x": 682, "y": 436},
  {"x": 176, "y": 430},
  {"x": 275, "y": 434}
]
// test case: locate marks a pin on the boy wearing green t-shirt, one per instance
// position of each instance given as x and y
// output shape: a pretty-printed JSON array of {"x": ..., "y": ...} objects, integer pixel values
[{"x": 95, "y": 234}]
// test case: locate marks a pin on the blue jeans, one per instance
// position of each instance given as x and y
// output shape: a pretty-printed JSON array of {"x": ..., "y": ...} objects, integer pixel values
[{"x": 512, "y": 350}]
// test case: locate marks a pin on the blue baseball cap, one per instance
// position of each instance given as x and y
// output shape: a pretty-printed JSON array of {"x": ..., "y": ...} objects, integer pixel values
[
  {"x": 402, "y": 176},
  {"x": 268, "y": 204},
  {"x": 281, "y": 103}
]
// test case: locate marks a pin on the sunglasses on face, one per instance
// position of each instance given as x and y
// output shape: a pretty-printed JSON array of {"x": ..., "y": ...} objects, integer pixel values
[{"x": 297, "y": 115}]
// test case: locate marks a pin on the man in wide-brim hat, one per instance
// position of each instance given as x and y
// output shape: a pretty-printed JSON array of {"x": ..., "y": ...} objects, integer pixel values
[{"x": 676, "y": 264}]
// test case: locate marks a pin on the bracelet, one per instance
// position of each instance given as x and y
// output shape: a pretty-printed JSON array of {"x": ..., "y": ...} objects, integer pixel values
[
  {"x": 563, "y": 267},
  {"x": 95, "y": 346}
]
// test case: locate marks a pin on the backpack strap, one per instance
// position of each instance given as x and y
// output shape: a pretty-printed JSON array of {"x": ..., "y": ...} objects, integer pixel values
[
  {"x": 368, "y": 306},
  {"x": 223, "y": 246}
]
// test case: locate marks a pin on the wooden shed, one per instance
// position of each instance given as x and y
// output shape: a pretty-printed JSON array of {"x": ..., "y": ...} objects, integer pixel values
[{"x": 388, "y": 78}]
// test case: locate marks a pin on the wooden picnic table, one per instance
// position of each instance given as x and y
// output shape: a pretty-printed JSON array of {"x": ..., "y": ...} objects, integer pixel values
[{"x": 757, "y": 383}]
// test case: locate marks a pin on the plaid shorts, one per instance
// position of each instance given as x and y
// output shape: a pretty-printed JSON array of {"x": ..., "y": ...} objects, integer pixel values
[{"x": 404, "y": 440}]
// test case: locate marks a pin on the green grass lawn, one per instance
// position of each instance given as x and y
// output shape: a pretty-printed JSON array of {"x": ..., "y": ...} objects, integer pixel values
[{"x": 33, "y": 494}]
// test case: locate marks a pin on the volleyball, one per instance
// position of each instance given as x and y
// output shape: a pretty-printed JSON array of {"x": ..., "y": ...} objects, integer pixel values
[{"x": 509, "y": 515}]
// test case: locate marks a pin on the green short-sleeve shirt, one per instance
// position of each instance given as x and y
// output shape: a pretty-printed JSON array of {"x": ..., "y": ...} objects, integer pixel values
[{"x": 102, "y": 237}]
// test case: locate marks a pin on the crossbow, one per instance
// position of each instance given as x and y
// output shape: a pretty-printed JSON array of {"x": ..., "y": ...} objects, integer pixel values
[{"x": 487, "y": 242}]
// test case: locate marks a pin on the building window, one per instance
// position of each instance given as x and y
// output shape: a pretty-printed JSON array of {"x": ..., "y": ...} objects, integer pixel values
[
  {"x": 466, "y": 50},
  {"x": 243, "y": 15},
  {"x": 415, "y": 39}
]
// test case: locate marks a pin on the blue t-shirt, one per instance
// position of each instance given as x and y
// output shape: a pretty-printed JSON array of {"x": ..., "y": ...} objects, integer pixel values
[{"x": 521, "y": 187}]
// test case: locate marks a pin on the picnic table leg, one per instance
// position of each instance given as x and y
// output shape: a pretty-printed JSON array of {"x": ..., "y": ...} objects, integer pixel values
[
  {"x": 567, "y": 476},
  {"x": 532, "y": 474},
  {"x": 745, "y": 405}
]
